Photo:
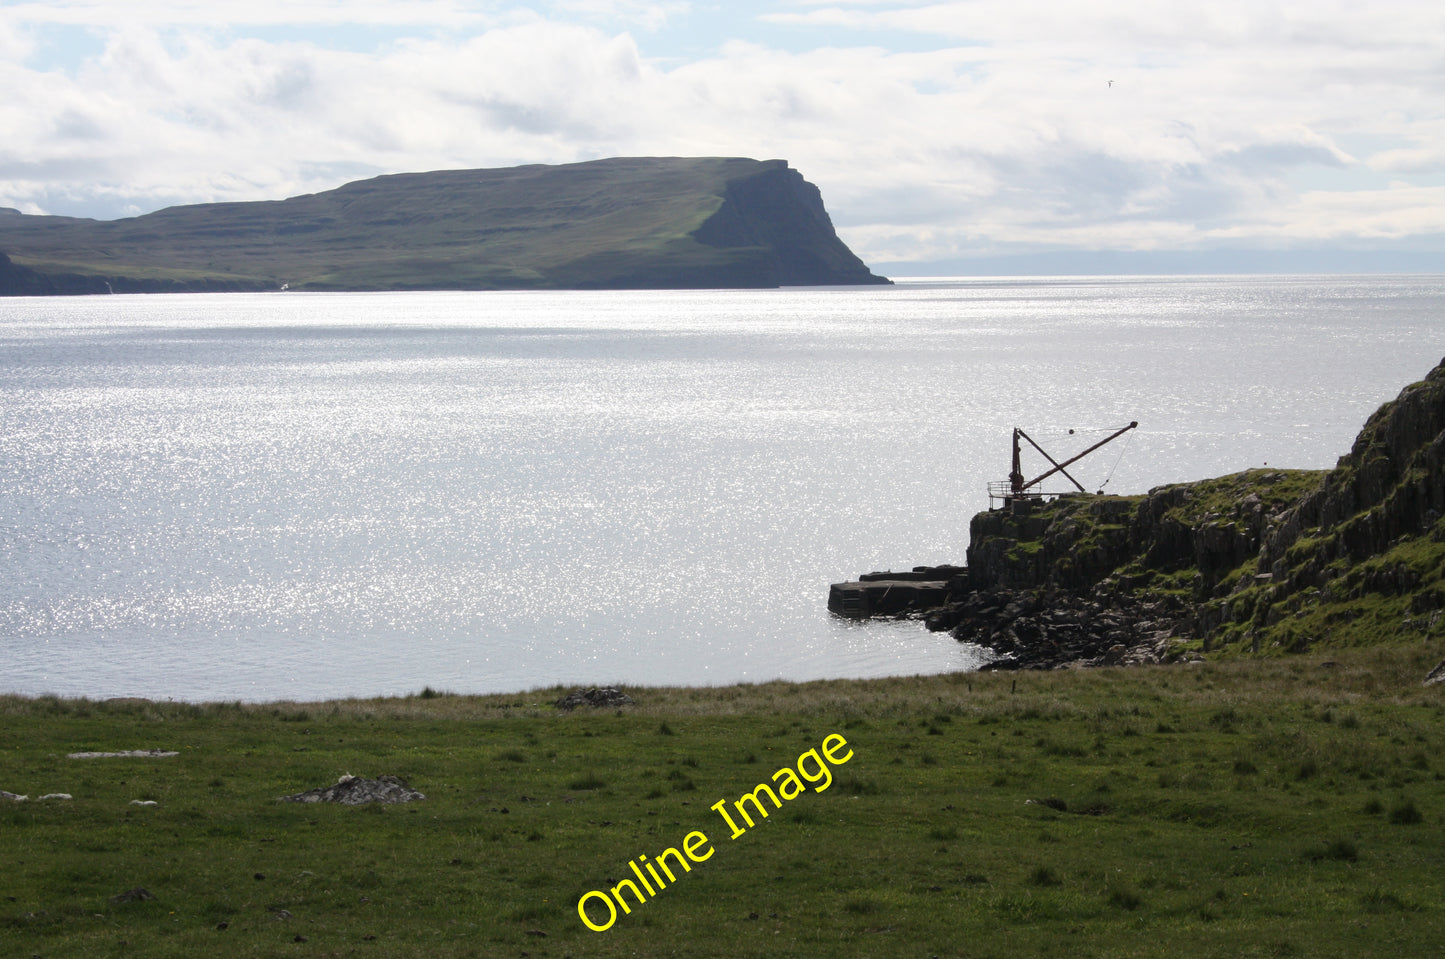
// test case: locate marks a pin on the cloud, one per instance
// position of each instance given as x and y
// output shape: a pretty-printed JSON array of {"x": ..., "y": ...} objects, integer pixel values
[
  {"x": 15, "y": 45},
  {"x": 411, "y": 15},
  {"x": 1125, "y": 124},
  {"x": 646, "y": 14},
  {"x": 1395, "y": 213},
  {"x": 209, "y": 13},
  {"x": 202, "y": 120},
  {"x": 1426, "y": 158}
]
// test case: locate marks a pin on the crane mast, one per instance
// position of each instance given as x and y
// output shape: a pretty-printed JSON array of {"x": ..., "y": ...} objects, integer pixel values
[{"x": 1018, "y": 488}]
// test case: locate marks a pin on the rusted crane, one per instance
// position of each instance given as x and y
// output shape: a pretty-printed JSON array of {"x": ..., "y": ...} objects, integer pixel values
[{"x": 1019, "y": 488}]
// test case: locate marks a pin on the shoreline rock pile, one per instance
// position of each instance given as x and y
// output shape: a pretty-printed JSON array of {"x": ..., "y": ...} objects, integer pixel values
[
  {"x": 352, "y": 790},
  {"x": 596, "y": 698},
  {"x": 1047, "y": 630}
]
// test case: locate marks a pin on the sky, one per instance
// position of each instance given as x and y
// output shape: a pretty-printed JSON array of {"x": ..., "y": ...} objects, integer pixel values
[{"x": 947, "y": 136}]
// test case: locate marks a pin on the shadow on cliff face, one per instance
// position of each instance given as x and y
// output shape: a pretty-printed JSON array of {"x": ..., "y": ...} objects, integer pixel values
[{"x": 778, "y": 211}]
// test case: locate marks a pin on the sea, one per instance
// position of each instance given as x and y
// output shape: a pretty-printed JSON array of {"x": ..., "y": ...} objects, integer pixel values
[{"x": 294, "y": 496}]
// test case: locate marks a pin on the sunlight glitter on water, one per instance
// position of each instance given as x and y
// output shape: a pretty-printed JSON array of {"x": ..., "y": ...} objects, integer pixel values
[{"x": 262, "y": 496}]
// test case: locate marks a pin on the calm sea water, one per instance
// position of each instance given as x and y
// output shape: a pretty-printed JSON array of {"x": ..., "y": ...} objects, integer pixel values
[{"x": 308, "y": 496}]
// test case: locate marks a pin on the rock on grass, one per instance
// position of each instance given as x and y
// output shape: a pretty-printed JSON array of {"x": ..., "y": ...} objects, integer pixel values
[{"x": 355, "y": 791}]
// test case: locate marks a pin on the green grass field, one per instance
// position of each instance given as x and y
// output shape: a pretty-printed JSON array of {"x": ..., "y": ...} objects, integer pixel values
[{"x": 1285, "y": 807}]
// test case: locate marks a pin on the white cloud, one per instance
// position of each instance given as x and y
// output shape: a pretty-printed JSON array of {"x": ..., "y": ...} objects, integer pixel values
[
  {"x": 209, "y": 13},
  {"x": 15, "y": 45},
  {"x": 411, "y": 15},
  {"x": 1395, "y": 213},
  {"x": 1426, "y": 157},
  {"x": 647, "y": 14},
  {"x": 1008, "y": 133}
]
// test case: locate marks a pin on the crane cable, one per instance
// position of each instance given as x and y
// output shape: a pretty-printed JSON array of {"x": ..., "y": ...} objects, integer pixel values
[{"x": 1122, "y": 450}]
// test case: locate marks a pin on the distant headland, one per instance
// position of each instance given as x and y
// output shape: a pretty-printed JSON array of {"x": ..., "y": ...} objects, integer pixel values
[{"x": 623, "y": 223}]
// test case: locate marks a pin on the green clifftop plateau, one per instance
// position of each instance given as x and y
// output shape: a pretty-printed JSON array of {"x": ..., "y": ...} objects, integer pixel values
[{"x": 624, "y": 223}]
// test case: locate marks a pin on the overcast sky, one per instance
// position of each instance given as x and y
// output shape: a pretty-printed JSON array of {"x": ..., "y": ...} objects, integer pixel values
[{"x": 938, "y": 132}]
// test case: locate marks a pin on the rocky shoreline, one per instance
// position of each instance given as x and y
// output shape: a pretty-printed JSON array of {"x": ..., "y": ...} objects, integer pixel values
[
  {"x": 1029, "y": 630},
  {"x": 1253, "y": 562}
]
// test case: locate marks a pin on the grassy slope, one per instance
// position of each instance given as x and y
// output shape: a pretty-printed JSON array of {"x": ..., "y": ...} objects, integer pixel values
[
  {"x": 524, "y": 226},
  {"x": 1368, "y": 563},
  {"x": 1269, "y": 808},
  {"x": 1359, "y": 613}
]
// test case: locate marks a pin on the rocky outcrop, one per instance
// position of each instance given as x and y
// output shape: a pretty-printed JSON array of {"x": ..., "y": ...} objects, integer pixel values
[
  {"x": 1110, "y": 579},
  {"x": 1360, "y": 556},
  {"x": 594, "y": 697},
  {"x": 1093, "y": 580},
  {"x": 354, "y": 791},
  {"x": 1045, "y": 629},
  {"x": 1374, "y": 525},
  {"x": 1255, "y": 561}
]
